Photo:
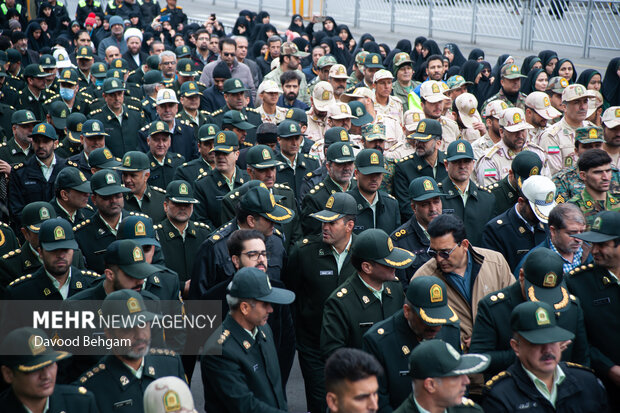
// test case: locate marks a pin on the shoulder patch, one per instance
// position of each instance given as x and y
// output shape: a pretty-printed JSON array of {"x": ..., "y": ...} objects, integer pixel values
[
  {"x": 11, "y": 253},
  {"x": 20, "y": 279},
  {"x": 497, "y": 378},
  {"x": 138, "y": 214},
  {"x": 158, "y": 189},
  {"x": 81, "y": 225},
  {"x": 579, "y": 366},
  {"x": 91, "y": 273},
  {"x": 19, "y": 165},
  {"x": 162, "y": 352},
  {"x": 158, "y": 226}
]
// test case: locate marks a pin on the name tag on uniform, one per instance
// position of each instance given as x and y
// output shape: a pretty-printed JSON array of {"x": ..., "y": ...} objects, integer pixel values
[
  {"x": 522, "y": 252},
  {"x": 124, "y": 403},
  {"x": 602, "y": 301},
  {"x": 403, "y": 373},
  {"x": 448, "y": 211},
  {"x": 30, "y": 183},
  {"x": 219, "y": 197},
  {"x": 326, "y": 272},
  {"x": 367, "y": 324}
]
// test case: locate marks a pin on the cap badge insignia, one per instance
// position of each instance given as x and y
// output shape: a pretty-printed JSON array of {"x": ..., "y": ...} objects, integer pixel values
[
  {"x": 436, "y": 293},
  {"x": 221, "y": 137},
  {"x": 563, "y": 82},
  {"x": 266, "y": 154},
  {"x": 421, "y": 127},
  {"x": 597, "y": 223},
  {"x": 344, "y": 136},
  {"x": 191, "y": 86},
  {"x": 592, "y": 133},
  {"x": 330, "y": 202},
  {"x": 326, "y": 95},
  {"x": 375, "y": 59},
  {"x": 435, "y": 88},
  {"x": 549, "y": 198},
  {"x": 110, "y": 179},
  {"x": 390, "y": 244},
  {"x": 416, "y": 117},
  {"x": 106, "y": 152},
  {"x": 183, "y": 190},
  {"x": 34, "y": 348},
  {"x": 82, "y": 177},
  {"x": 289, "y": 114},
  {"x": 137, "y": 254},
  {"x": 428, "y": 185},
  {"x": 59, "y": 233},
  {"x": 41, "y": 128},
  {"x": 172, "y": 403},
  {"x": 114, "y": 83},
  {"x": 345, "y": 150},
  {"x": 140, "y": 229},
  {"x": 546, "y": 102},
  {"x": 472, "y": 111},
  {"x": 238, "y": 83},
  {"x": 550, "y": 280},
  {"x": 460, "y": 147},
  {"x": 188, "y": 67},
  {"x": 211, "y": 130},
  {"x": 127, "y": 161},
  {"x": 534, "y": 171},
  {"x": 67, "y": 74},
  {"x": 44, "y": 213},
  {"x": 618, "y": 113},
  {"x": 542, "y": 318},
  {"x": 133, "y": 305},
  {"x": 374, "y": 159},
  {"x": 516, "y": 118},
  {"x": 293, "y": 128}
]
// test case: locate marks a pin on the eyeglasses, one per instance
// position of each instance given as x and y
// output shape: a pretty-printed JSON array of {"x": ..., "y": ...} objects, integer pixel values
[
  {"x": 228, "y": 54},
  {"x": 443, "y": 253},
  {"x": 253, "y": 255}
]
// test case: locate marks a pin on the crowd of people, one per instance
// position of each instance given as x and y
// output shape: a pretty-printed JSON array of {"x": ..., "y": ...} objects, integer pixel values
[{"x": 425, "y": 232}]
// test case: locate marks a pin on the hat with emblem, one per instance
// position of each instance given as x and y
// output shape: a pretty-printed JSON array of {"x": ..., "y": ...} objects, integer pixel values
[
  {"x": 373, "y": 132},
  {"x": 382, "y": 74},
  {"x": 336, "y": 134},
  {"x": 400, "y": 59},
  {"x": 153, "y": 62},
  {"x": 70, "y": 177},
  {"x": 159, "y": 127},
  {"x": 119, "y": 64},
  {"x": 589, "y": 134},
  {"x": 557, "y": 84},
  {"x": 134, "y": 161},
  {"x": 234, "y": 85},
  {"x": 261, "y": 157},
  {"x": 459, "y": 149},
  {"x": 436, "y": 358},
  {"x": 168, "y": 394},
  {"x": 126, "y": 304},
  {"x": 99, "y": 70},
  {"x": 524, "y": 165},
  {"x": 432, "y": 91},
  {"x": 226, "y": 141},
  {"x": 611, "y": 117},
  {"x": 166, "y": 96},
  {"x": 544, "y": 280},
  {"x": 412, "y": 117},
  {"x": 129, "y": 256},
  {"x": 494, "y": 108},
  {"x": 323, "y": 96},
  {"x": 139, "y": 229},
  {"x": 35, "y": 213},
  {"x": 84, "y": 52},
  {"x": 375, "y": 245},
  {"x": 57, "y": 234},
  {"x": 298, "y": 115},
  {"x": 93, "y": 127},
  {"x": 513, "y": 120},
  {"x": 456, "y": 82},
  {"x": 359, "y": 59},
  {"x": 340, "y": 152},
  {"x": 68, "y": 75},
  {"x": 338, "y": 71},
  {"x": 338, "y": 205},
  {"x": 423, "y": 188},
  {"x": 427, "y": 129},
  {"x": 466, "y": 105},
  {"x": 23, "y": 349},
  {"x": 115, "y": 73},
  {"x": 181, "y": 192},
  {"x": 189, "y": 89},
  {"x": 540, "y": 192},
  {"x": 288, "y": 129},
  {"x": 429, "y": 298},
  {"x": 102, "y": 158},
  {"x": 47, "y": 61},
  {"x": 207, "y": 132},
  {"x": 596, "y": 102},
  {"x": 252, "y": 283},
  {"x": 183, "y": 52},
  {"x": 185, "y": 67},
  {"x": 511, "y": 71},
  {"x": 576, "y": 91},
  {"x": 237, "y": 119},
  {"x": 339, "y": 110},
  {"x": 362, "y": 117},
  {"x": 535, "y": 321},
  {"x": 111, "y": 85},
  {"x": 75, "y": 122},
  {"x": 153, "y": 77},
  {"x": 260, "y": 200},
  {"x": 373, "y": 60},
  {"x": 46, "y": 130},
  {"x": 23, "y": 117},
  {"x": 605, "y": 227},
  {"x": 370, "y": 161},
  {"x": 326, "y": 61},
  {"x": 59, "y": 111},
  {"x": 539, "y": 102},
  {"x": 291, "y": 49},
  {"x": 268, "y": 86},
  {"x": 35, "y": 70},
  {"x": 106, "y": 182}
]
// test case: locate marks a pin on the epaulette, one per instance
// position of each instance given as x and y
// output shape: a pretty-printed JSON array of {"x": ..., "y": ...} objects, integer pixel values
[
  {"x": 178, "y": 115},
  {"x": 144, "y": 128},
  {"x": 179, "y": 155},
  {"x": 216, "y": 237},
  {"x": 309, "y": 174},
  {"x": 146, "y": 103},
  {"x": 217, "y": 112},
  {"x": 90, "y": 373},
  {"x": 252, "y": 110},
  {"x": 277, "y": 232},
  {"x": 83, "y": 88},
  {"x": 390, "y": 196},
  {"x": 400, "y": 233},
  {"x": 223, "y": 337},
  {"x": 91, "y": 273},
  {"x": 94, "y": 112},
  {"x": 579, "y": 366},
  {"x": 580, "y": 269},
  {"x": 70, "y": 162},
  {"x": 499, "y": 222},
  {"x": 485, "y": 189},
  {"x": 138, "y": 214},
  {"x": 158, "y": 226},
  {"x": 342, "y": 292},
  {"x": 20, "y": 279},
  {"x": 496, "y": 298},
  {"x": 307, "y": 155},
  {"x": 205, "y": 112},
  {"x": 491, "y": 186},
  {"x": 11, "y": 253},
  {"x": 491, "y": 151},
  {"x": 19, "y": 165},
  {"x": 88, "y": 95},
  {"x": 202, "y": 175},
  {"x": 163, "y": 10},
  {"x": 81, "y": 224},
  {"x": 498, "y": 377},
  {"x": 467, "y": 402},
  {"x": 3, "y": 144},
  {"x": 162, "y": 352},
  {"x": 89, "y": 207},
  {"x": 158, "y": 189},
  {"x": 131, "y": 73},
  {"x": 60, "y": 145},
  {"x": 133, "y": 107},
  {"x": 184, "y": 164},
  {"x": 49, "y": 100},
  {"x": 185, "y": 122},
  {"x": 2, "y": 224},
  {"x": 202, "y": 225},
  {"x": 316, "y": 188},
  {"x": 282, "y": 186}
]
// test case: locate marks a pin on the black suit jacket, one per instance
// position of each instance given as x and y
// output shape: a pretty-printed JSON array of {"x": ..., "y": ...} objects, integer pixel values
[{"x": 131, "y": 63}]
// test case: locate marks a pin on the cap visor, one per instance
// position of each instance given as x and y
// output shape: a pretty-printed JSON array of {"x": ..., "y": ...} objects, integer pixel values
[
  {"x": 111, "y": 190},
  {"x": 44, "y": 360},
  {"x": 140, "y": 270},
  {"x": 436, "y": 98},
  {"x": 279, "y": 214},
  {"x": 68, "y": 244},
  {"x": 367, "y": 170},
  {"x": 344, "y": 159},
  {"x": 322, "y": 105},
  {"x": 244, "y": 125},
  {"x": 183, "y": 200},
  {"x": 547, "y": 335},
  {"x": 471, "y": 364},
  {"x": 71, "y": 136},
  {"x": 459, "y": 156},
  {"x": 429, "y": 195},
  {"x": 108, "y": 164},
  {"x": 468, "y": 120},
  {"x": 518, "y": 127},
  {"x": 514, "y": 76},
  {"x": 542, "y": 212},
  {"x": 83, "y": 187},
  {"x": 35, "y": 227},
  {"x": 266, "y": 164},
  {"x": 591, "y": 236},
  {"x": 326, "y": 216},
  {"x": 420, "y": 136},
  {"x": 237, "y": 90},
  {"x": 118, "y": 89},
  {"x": 362, "y": 120},
  {"x": 278, "y": 296},
  {"x": 556, "y": 296},
  {"x": 612, "y": 123},
  {"x": 437, "y": 316},
  {"x": 90, "y": 135},
  {"x": 223, "y": 148},
  {"x": 192, "y": 93},
  {"x": 398, "y": 258},
  {"x": 142, "y": 241}
]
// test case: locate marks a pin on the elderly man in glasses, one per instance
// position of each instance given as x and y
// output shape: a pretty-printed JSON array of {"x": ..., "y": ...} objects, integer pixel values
[{"x": 470, "y": 273}]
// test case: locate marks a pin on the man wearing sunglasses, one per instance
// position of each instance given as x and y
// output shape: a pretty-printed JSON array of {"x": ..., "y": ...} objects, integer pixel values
[{"x": 469, "y": 272}]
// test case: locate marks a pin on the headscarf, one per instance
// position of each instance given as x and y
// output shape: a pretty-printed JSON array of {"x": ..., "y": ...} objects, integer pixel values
[
  {"x": 295, "y": 28},
  {"x": 388, "y": 62},
  {"x": 256, "y": 46},
  {"x": 35, "y": 44},
  {"x": 475, "y": 54},
  {"x": 432, "y": 48},
  {"x": 546, "y": 56},
  {"x": 333, "y": 31},
  {"x": 342, "y": 55},
  {"x": 528, "y": 85},
  {"x": 611, "y": 83},
  {"x": 301, "y": 45},
  {"x": 469, "y": 71},
  {"x": 329, "y": 41},
  {"x": 344, "y": 27},
  {"x": 557, "y": 69},
  {"x": 386, "y": 48},
  {"x": 371, "y": 47},
  {"x": 459, "y": 59},
  {"x": 501, "y": 61},
  {"x": 241, "y": 21},
  {"x": 587, "y": 75},
  {"x": 404, "y": 45},
  {"x": 261, "y": 30},
  {"x": 528, "y": 62},
  {"x": 415, "y": 55},
  {"x": 452, "y": 71}
]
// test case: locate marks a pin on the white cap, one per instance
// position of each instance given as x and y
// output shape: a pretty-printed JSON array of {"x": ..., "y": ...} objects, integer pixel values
[
  {"x": 611, "y": 117},
  {"x": 168, "y": 395},
  {"x": 268, "y": 86},
  {"x": 382, "y": 74},
  {"x": 323, "y": 96},
  {"x": 166, "y": 96},
  {"x": 338, "y": 72},
  {"x": 466, "y": 104},
  {"x": 275, "y": 63},
  {"x": 412, "y": 117},
  {"x": 62, "y": 58},
  {"x": 540, "y": 192},
  {"x": 513, "y": 120},
  {"x": 576, "y": 91},
  {"x": 495, "y": 108},
  {"x": 539, "y": 102},
  {"x": 595, "y": 103},
  {"x": 432, "y": 91},
  {"x": 340, "y": 110},
  {"x": 132, "y": 32}
]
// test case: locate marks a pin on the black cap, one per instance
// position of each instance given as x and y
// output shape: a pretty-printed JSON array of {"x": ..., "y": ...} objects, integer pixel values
[
  {"x": 139, "y": 229},
  {"x": 374, "y": 244},
  {"x": 429, "y": 298},
  {"x": 57, "y": 234},
  {"x": 35, "y": 213},
  {"x": 288, "y": 129},
  {"x": 106, "y": 182},
  {"x": 208, "y": 131},
  {"x": 129, "y": 256},
  {"x": 544, "y": 281},
  {"x": 605, "y": 227},
  {"x": 337, "y": 206},
  {"x": 234, "y": 85},
  {"x": 535, "y": 321},
  {"x": 261, "y": 201},
  {"x": 134, "y": 161},
  {"x": 23, "y": 349},
  {"x": 102, "y": 158},
  {"x": 459, "y": 149},
  {"x": 423, "y": 188},
  {"x": 252, "y": 283},
  {"x": 46, "y": 130},
  {"x": 436, "y": 358},
  {"x": 181, "y": 192},
  {"x": 261, "y": 157},
  {"x": 370, "y": 161},
  {"x": 70, "y": 177},
  {"x": 128, "y": 304}
]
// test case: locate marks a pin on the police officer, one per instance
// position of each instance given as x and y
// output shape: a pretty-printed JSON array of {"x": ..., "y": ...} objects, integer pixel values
[
  {"x": 18, "y": 149},
  {"x": 57, "y": 113},
  {"x": 151, "y": 83},
  {"x": 427, "y": 161},
  {"x": 92, "y": 136},
  {"x": 34, "y": 93},
  {"x": 252, "y": 357},
  {"x": 143, "y": 197},
  {"x": 72, "y": 192},
  {"x": 68, "y": 93},
  {"x": 510, "y": 80},
  {"x": 71, "y": 145},
  {"x": 163, "y": 162},
  {"x": 56, "y": 279},
  {"x": 85, "y": 59},
  {"x": 190, "y": 171},
  {"x": 175, "y": 12},
  {"x": 102, "y": 158},
  {"x": 155, "y": 402},
  {"x": 236, "y": 121},
  {"x": 189, "y": 94},
  {"x": 537, "y": 378},
  {"x": 412, "y": 236},
  {"x": 234, "y": 95},
  {"x": 425, "y": 315}
]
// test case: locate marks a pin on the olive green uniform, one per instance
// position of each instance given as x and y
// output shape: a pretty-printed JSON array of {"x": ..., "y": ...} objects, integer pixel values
[
  {"x": 505, "y": 196},
  {"x": 13, "y": 154},
  {"x": 38, "y": 286},
  {"x": 162, "y": 174},
  {"x": 190, "y": 171},
  {"x": 152, "y": 203},
  {"x": 520, "y": 103},
  {"x": 203, "y": 117},
  {"x": 210, "y": 188},
  {"x": 386, "y": 217},
  {"x": 315, "y": 201},
  {"x": 294, "y": 177},
  {"x": 466, "y": 406},
  {"x": 123, "y": 137}
]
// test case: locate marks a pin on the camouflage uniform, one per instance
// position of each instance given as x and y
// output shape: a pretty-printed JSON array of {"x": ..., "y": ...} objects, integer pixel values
[{"x": 590, "y": 207}]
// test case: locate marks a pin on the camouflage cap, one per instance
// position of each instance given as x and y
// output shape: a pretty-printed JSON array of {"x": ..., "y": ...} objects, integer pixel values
[
  {"x": 494, "y": 108},
  {"x": 338, "y": 71},
  {"x": 291, "y": 49},
  {"x": 359, "y": 59},
  {"x": 575, "y": 91},
  {"x": 401, "y": 59},
  {"x": 589, "y": 134},
  {"x": 611, "y": 117},
  {"x": 540, "y": 103},
  {"x": 456, "y": 81},
  {"x": 325, "y": 61},
  {"x": 373, "y": 132},
  {"x": 412, "y": 117},
  {"x": 511, "y": 71},
  {"x": 557, "y": 84},
  {"x": 513, "y": 120}
]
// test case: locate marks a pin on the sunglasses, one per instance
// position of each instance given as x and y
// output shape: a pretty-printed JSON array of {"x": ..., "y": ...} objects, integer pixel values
[
  {"x": 228, "y": 54},
  {"x": 442, "y": 254}
]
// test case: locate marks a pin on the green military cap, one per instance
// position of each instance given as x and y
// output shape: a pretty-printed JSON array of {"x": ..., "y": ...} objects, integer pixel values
[
  {"x": 429, "y": 298},
  {"x": 189, "y": 89},
  {"x": 370, "y": 161},
  {"x": 75, "y": 121},
  {"x": 99, "y": 70},
  {"x": 93, "y": 127},
  {"x": 252, "y": 283},
  {"x": 115, "y": 73},
  {"x": 423, "y": 188},
  {"x": 401, "y": 59},
  {"x": 153, "y": 62},
  {"x": 234, "y": 85},
  {"x": 337, "y": 206},
  {"x": 46, "y": 130},
  {"x": 260, "y": 200},
  {"x": 84, "y": 52},
  {"x": 359, "y": 59},
  {"x": 106, "y": 182},
  {"x": 427, "y": 129},
  {"x": 134, "y": 161},
  {"x": 159, "y": 127},
  {"x": 138, "y": 229},
  {"x": 23, "y": 117},
  {"x": 35, "y": 70},
  {"x": 207, "y": 132},
  {"x": 13, "y": 55},
  {"x": 358, "y": 109},
  {"x": 457, "y": 81},
  {"x": 68, "y": 75},
  {"x": 297, "y": 115},
  {"x": 375, "y": 245},
  {"x": 102, "y": 158},
  {"x": 129, "y": 256},
  {"x": 112, "y": 85},
  {"x": 589, "y": 134},
  {"x": 535, "y": 321},
  {"x": 23, "y": 349},
  {"x": 70, "y": 177},
  {"x": 340, "y": 152},
  {"x": 327, "y": 60},
  {"x": 226, "y": 141},
  {"x": 459, "y": 149},
  {"x": 127, "y": 304},
  {"x": 557, "y": 84},
  {"x": 288, "y": 129},
  {"x": 237, "y": 119},
  {"x": 47, "y": 61},
  {"x": 185, "y": 67},
  {"x": 373, "y": 132},
  {"x": 3, "y": 58},
  {"x": 336, "y": 134},
  {"x": 544, "y": 281},
  {"x": 524, "y": 165},
  {"x": 57, "y": 234},
  {"x": 373, "y": 60},
  {"x": 153, "y": 77},
  {"x": 261, "y": 157},
  {"x": 606, "y": 227},
  {"x": 181, "y": 192},
  {"x": 436, "y": 358},
  {"x": 59, "y": 111},
  {"x": 183, "y": 51},
  {"x": 511, "y": 71},
  {"x": 35, "y": 213},
  {"x": 119, "y": 64}
]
